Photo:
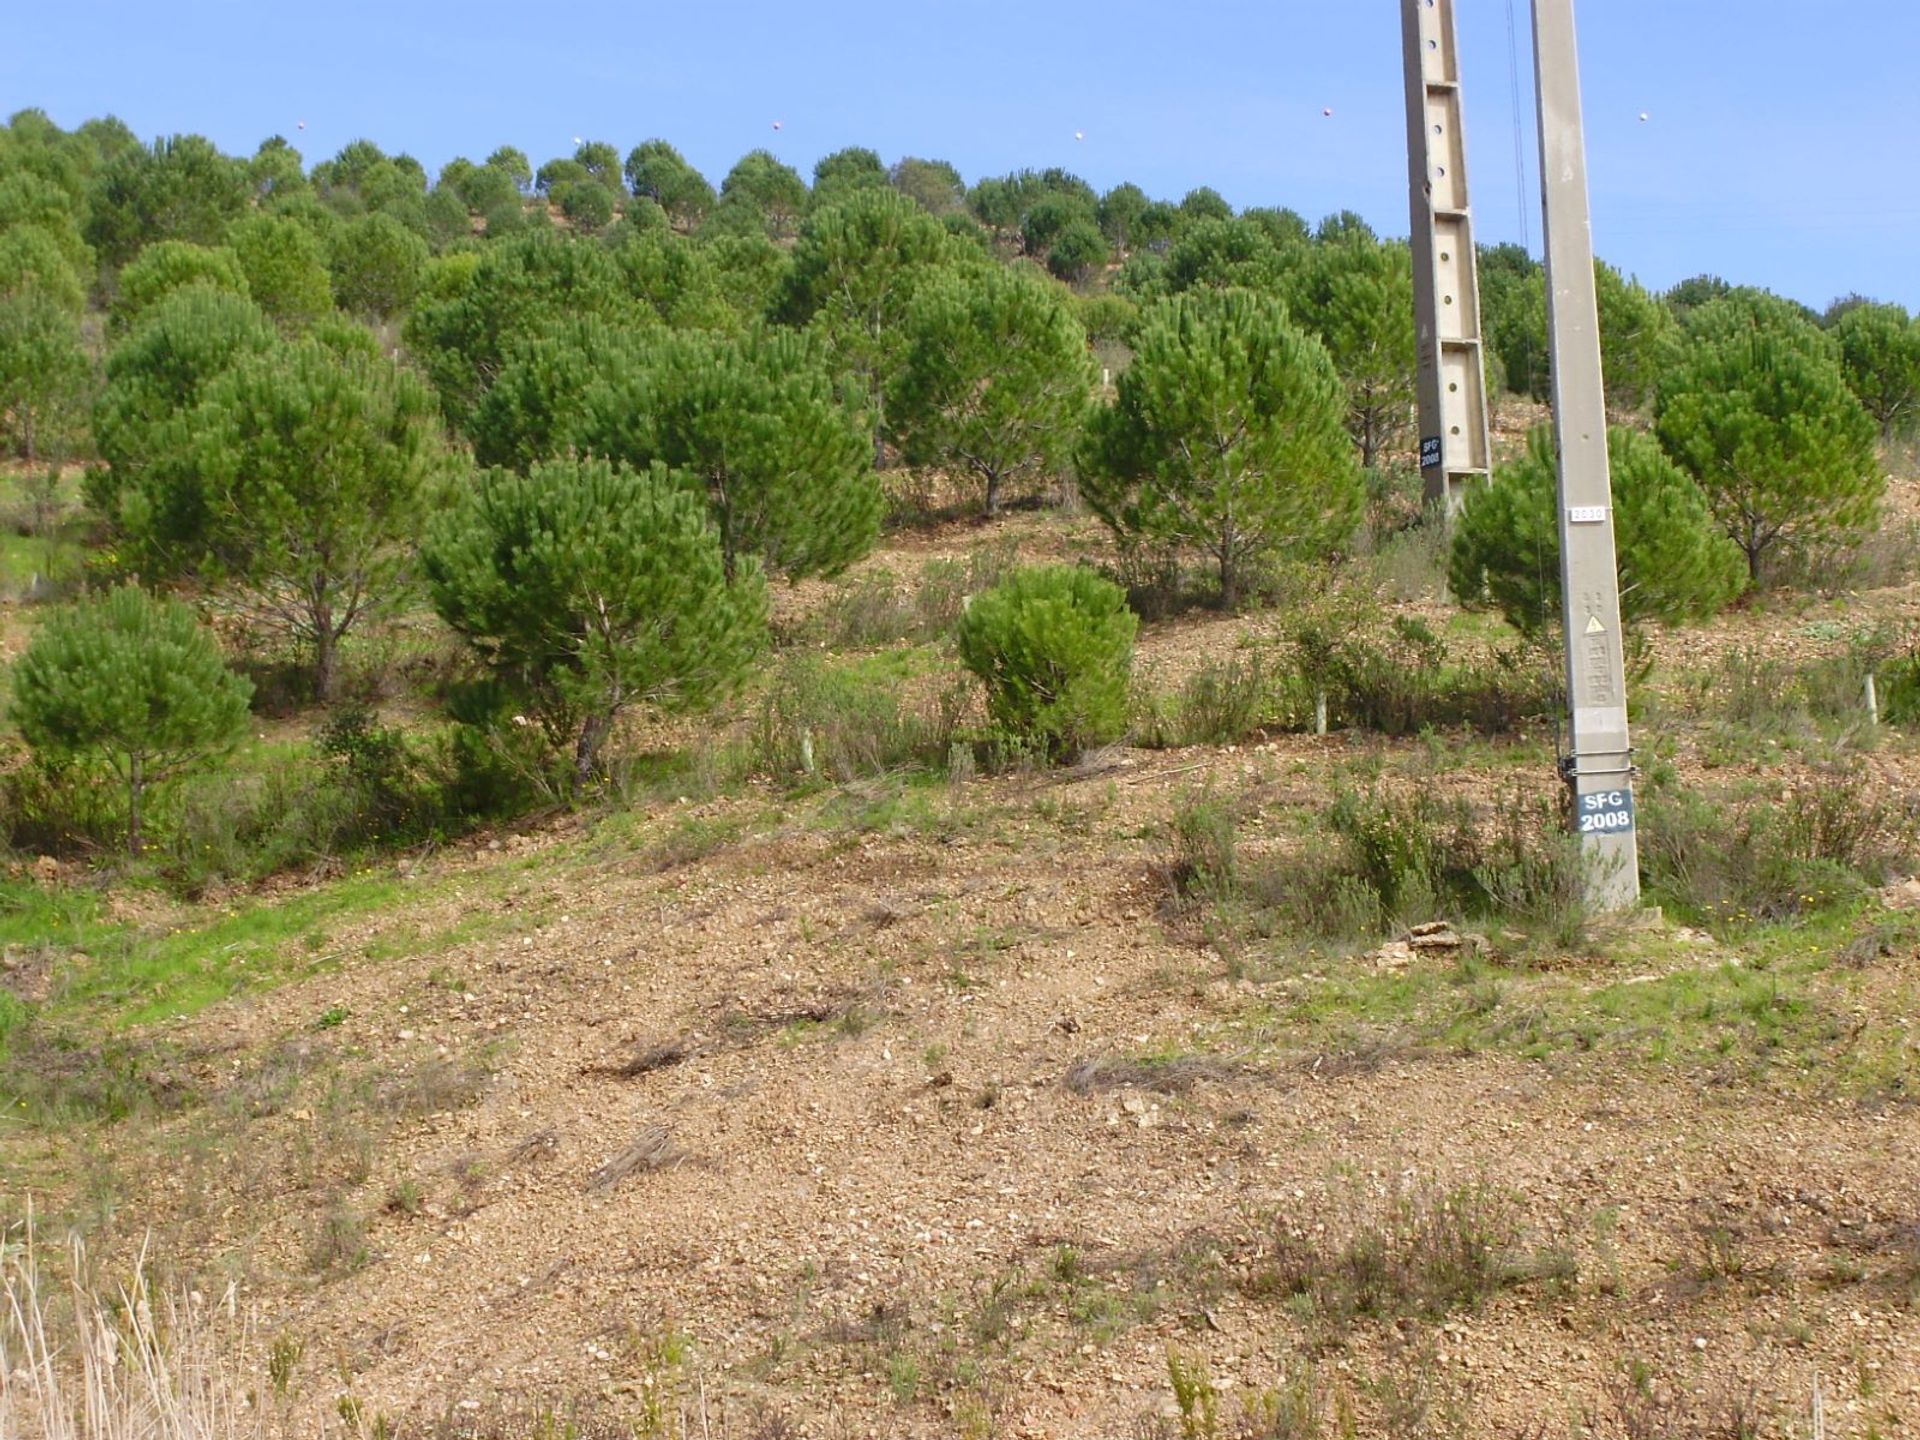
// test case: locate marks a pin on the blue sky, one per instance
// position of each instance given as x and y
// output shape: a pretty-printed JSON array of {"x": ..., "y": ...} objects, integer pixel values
[{"x": 1779, "y": 148}]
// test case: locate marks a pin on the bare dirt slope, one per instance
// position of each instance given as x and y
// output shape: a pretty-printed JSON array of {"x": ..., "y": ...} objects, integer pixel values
[
  {"x": 923, "y": 1109},
  {"x": 865, "y": 1050}
]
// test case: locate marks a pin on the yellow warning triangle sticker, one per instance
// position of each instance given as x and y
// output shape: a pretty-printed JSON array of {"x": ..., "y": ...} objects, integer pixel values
[{"x": 1594, "y": 627}]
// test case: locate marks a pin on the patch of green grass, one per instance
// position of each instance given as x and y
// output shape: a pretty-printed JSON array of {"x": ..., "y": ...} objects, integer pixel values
[
  {"x": 34, "y": 916},
  {"x": 900, "y": 804},
  {"x": 1780, "y": 1011},
  {"x": 79, "y": 1053},
  {"x": 147, "y": 977}
]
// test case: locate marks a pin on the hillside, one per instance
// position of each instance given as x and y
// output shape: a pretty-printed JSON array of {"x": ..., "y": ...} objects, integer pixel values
[
  {"x": 874, "y": 805},
  {"x": 923, "y": 1105}
]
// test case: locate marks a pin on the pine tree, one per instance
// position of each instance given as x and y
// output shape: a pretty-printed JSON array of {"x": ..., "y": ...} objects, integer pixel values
[
  {"x": 536, "y": 409},
  {"x": 1227, "y": 437},
  {"x": 997, "y": 379},
  {"x": 658, "y": 172},
  {"x": 31, "y": 259},
  {"x": 45, "y": 374},
  {"x": 1762, "y": 418},
  {"x": 148, "y": 490},
  {"x": 286, "y": 268},
  {"x": 589, "y": 588},
  {"x": 777, "y": 446},
  {"x": 377, "y": 265},
  {"x": 171, "y": 266},
  {"x": 1675, "y": 562},
  {"x": 771, "y": 192},
  {"x": 855, "y": 271},
  {"x": 133, "y": 681},
  {"x": 1356, "y": 294},
  {"x": 478, "y": 309},
  {"x": 315, "y": 468},
  {"x": 1880, "y": 353}
]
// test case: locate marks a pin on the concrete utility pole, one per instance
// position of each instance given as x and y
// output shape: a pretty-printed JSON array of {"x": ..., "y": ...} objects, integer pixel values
[
  {"x": 1455, "y": 445},
  {"x": 1600, "y": 766}
]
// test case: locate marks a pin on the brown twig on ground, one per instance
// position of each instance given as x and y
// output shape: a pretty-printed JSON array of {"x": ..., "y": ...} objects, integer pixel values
[{"x": 653, "y": 1150}]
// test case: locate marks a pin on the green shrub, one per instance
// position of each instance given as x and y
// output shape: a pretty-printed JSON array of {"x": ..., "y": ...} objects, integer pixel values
[
  {"x": 880, "y": 609},
  {"x": 1205, "y": 848},
  {"x": 1732, "y": 864},
  {"x": 1675, "y": 562},
  {"x": 364, "y": 789},
  {"x": 1399, "y": 679},
  {"x": 500, "y": 762},
  {"x": 1054, "y": 648},
  {"x": 397, "y": 798},
  {"x": 846, "y": 722},
  {"x": 1424, "y": 1252},
  {"x": 1792, "y": 702},
  {"x": 1377, "y": 862},
  {"x": 1416, "y": 857},
  {"x": 242, "y": 826},
  {"x": 1899, "y": 686},
  {"x": 134, "y": 683},
  {"x": 1221, "y": 703},
  {"x": 57, "y": 805}
]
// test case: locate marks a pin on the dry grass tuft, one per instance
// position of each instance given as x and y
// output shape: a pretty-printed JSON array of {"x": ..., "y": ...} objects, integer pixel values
[
  {"x": 1096, "y": 1073},
  {"x": 653, "y": 1150},
  {"x": 645, "y": 1059},
  {"x": 538, "y": 1145},
  {"x": 128, "y": 1363}
]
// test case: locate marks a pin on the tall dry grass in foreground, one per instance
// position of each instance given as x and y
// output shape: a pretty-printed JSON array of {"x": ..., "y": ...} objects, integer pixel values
[{"x": 86, "y": 1361}]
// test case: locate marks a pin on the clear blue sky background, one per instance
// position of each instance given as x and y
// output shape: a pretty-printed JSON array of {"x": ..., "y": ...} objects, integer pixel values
[{"x": 1780, "y": 149}]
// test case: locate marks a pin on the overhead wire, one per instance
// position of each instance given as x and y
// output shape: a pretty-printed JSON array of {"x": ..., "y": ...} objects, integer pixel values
[{"x": 1519, "y": 139}]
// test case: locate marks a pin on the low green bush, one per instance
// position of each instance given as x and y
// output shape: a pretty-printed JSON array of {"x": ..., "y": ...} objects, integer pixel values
[
  {"x": 1424, "y": 1253},
  {"x": 1054, "y": 648},
  {"x": 841, "y": 722},
  {"x": 1734, "y": 862},
  {"x": 1776, "y": 698},
  {"x": 1676, "y": 564},
  {"x": 133, "y": 684},
  {"x": 500, "y": 761},
  {"x": 1205, "y": 848},
  {"x": 880, "y": 608},
  {"x": 1899, "y": 685},
  {"x": 1400, "y": 679},
  {"x": 1221, "y": 703},
  {"x": 1375, "y": 861}
]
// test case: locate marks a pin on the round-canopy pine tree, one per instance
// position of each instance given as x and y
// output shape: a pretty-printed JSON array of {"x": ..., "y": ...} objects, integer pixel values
[
  {"x": 1228, "y": 437},
  {"x": 134, "y": 682},
  {"x": 588, "y": 588}
]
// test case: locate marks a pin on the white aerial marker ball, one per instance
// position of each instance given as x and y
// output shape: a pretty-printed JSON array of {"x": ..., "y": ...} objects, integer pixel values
[
  {"x": 1079, "y": 134},
  {"x": 303, "y": 124},
  {"x": 1328, "y": 112},
  {"x": 776, "y": 124},
  {"x": 1644, "y": 117}
]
